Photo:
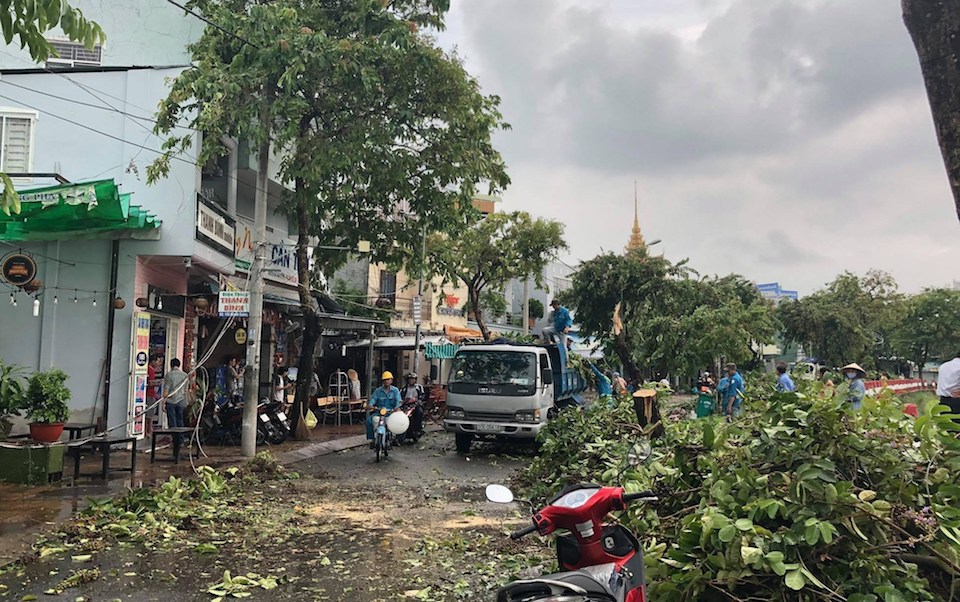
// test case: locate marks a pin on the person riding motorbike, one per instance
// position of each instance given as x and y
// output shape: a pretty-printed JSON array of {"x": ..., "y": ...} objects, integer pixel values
[
  {"x": 413, "y": 393},
  {"x": 386, "y": 396}
]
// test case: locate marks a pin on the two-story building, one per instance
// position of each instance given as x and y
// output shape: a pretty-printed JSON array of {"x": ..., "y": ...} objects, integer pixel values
[{"x": 77, "y": 138}]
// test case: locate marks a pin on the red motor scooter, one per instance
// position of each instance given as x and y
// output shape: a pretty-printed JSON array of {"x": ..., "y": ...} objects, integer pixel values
[{"x": 601, "y": 562}]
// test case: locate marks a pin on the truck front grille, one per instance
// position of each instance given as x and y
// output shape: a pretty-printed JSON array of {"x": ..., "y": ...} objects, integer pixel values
[{"x": 491, "y": 416}]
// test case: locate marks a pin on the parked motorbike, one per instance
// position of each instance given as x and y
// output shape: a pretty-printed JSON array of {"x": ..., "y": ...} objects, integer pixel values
[
  {"x": 278, "y": 418},
  {"x": 598, "y": 561}
]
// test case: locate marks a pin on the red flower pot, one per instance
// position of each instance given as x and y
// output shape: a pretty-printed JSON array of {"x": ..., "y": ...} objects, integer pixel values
[{"x": 44, "y": 432}]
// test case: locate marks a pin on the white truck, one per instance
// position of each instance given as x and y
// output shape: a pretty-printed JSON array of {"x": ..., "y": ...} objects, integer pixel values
[{"x": 506, "y": 391}]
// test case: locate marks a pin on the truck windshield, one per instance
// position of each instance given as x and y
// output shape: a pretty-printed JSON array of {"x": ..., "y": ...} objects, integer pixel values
[{"x": 494, "y": 368}]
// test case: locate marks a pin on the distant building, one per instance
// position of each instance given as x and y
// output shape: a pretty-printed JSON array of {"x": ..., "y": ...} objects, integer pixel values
[{"x": 776, "y": 293}]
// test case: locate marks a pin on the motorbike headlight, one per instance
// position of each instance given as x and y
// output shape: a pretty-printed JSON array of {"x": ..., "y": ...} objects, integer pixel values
[{"x": 455, "y": 413}]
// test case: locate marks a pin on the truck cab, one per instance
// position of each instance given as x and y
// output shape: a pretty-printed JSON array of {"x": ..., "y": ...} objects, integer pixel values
[{"x": 504, "y": 391}]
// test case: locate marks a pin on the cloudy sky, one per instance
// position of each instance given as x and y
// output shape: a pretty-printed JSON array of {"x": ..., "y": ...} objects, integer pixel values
[{"x": 786, "y": 140}]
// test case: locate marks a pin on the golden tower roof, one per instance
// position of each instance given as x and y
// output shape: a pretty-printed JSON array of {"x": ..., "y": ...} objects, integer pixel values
[{"x": 636, "y": 237}]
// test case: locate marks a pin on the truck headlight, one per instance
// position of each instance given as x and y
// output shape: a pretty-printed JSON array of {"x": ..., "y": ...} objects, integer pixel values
[
  {"x": 528, "y": 416},
  {"x": 455, "y": 413}
]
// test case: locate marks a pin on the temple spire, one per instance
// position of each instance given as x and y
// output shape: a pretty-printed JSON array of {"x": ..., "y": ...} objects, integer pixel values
[{"x": 636, "y": 237}]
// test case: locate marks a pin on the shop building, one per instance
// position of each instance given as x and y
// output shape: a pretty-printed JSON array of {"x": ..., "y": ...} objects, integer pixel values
[{"x": 166, "y": 250}]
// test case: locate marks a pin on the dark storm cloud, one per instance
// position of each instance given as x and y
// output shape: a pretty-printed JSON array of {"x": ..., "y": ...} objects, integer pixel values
[{"x": 783, "y": 139}]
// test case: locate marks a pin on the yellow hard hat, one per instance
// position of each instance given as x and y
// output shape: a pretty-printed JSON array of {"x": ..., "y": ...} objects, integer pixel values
[{"x": 387, "y": 375}]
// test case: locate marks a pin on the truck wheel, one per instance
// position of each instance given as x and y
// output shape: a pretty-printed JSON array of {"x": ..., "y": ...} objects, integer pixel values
[{"x": 463, "y": 443}]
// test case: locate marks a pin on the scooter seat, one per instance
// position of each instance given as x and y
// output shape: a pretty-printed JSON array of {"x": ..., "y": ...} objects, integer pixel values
[{"x": 580, "y": 585}]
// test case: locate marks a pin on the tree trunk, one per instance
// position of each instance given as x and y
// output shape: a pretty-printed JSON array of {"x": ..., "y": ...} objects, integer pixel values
[
  {"x": 474, "y": 295},
  {"x": 934, "y": 26},
  {"x": 622, "y": 350},
  {"x": 311, "y": 322}
]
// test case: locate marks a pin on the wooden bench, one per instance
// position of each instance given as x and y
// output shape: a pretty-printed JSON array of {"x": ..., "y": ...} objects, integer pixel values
[
  {"x": 104, "y": 443},
  {"x": 176, "y": 433}
]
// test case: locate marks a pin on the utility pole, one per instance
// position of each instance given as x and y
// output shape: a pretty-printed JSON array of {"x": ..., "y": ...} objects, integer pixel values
[
  {"x": 251, "y": 385},
  {"x": 418, "y": 305},
  {"x": 526, "y": 305}
]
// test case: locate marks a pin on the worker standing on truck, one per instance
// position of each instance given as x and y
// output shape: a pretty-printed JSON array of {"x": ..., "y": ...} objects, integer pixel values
[{"x": 562, "y": 322}]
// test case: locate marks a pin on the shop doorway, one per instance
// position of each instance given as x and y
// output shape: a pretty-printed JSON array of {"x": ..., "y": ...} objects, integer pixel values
[{"x": 165, "y": 343}]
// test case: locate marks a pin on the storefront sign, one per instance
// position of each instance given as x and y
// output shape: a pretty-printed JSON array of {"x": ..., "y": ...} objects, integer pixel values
[
  {"x": 240, "y": 336},
  {"x": 281, "y": 255},
  {"x": 141, "y": 357},
  {"x": 234, "y": 304},
  {"x": 215, "y": 228},
  {"x": 450, "y": 306},
  {"x": 18, "y": 269}
]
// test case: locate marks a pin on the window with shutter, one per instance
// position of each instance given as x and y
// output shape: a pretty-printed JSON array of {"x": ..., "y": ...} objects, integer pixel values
[{"x": 16, "y": 144}]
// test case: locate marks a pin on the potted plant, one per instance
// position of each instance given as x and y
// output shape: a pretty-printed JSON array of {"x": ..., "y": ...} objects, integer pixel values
[
  {"x": 46, "y": 404},
  {"x": 12, "y": 396}
]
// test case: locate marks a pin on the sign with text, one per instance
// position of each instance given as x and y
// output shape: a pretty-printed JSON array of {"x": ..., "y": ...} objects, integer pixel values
[
  {"x": 234, "y": 304},
  {"x": 138, "y": 390},
  {"x": 281, "y": 255},
  {"x": 18, "y": 269},
  {"x": 215, "y": 228}
]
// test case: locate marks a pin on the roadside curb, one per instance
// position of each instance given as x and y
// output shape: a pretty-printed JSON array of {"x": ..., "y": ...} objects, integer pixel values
[{"x": 325, "y": 448}]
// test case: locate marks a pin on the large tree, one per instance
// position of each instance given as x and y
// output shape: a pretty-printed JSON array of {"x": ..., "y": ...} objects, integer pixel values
[
  {"x": 672, "y": 322},
  {"x": 28, "y": 20},
  {"x": 930, "y": 329},
  {"x": 852, "y": 319},
  {"x": 495, "y": 249},
  {"x": 934, "y": 26},
  {"x": 385, "y": 136}
]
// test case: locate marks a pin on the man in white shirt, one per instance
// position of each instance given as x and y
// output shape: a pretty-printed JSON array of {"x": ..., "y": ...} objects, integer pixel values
[{"x": 948, "y": 384}]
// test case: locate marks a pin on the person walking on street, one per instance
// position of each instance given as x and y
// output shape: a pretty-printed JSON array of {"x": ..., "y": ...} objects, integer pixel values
[
  {"x": 386, "y": 396},
  {"x": 562, "y": 322},
  {"x": 856, "y": 391},
  {"x": 784, "y": 382},
  {"x": 734, "y": 392},
  {"x": 175, "y": 394},
  {"x": 948, "y": 385}
]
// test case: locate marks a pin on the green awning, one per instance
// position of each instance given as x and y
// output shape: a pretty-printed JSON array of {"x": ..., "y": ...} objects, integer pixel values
[
  {"x": 442, "y": 351},
  {"x": 91, "y": 210}
]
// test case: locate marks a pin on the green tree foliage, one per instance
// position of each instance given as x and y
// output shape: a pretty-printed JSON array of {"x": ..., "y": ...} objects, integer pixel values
[
  {"x": 672, "y": 321},
  {"x": 930, "y": 328},
  {"x": 536, "y": 309},
  {"x": 385, "y": 135},
  {"x": 28, "y": 20},
  {"x": 492, "y": 251},
  {"x": 852, "y": 320},
  {"x": 801, "y": 499}
]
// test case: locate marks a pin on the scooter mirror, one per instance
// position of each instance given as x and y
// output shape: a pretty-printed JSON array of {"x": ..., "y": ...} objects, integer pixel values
[{"x": 499, "y": 494}]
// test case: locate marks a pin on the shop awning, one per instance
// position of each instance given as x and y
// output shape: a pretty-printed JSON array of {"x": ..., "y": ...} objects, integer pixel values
[
  {"x": 92, "y": 210},
  {"x": 440, "y": 351},
  {"x": 458, "y": 335}
]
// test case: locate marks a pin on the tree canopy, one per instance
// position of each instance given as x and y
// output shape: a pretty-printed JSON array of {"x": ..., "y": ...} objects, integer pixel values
[
  {"x": 672, "y": 322},
  {"x": 930, "y": 328},
  {"x": 852, "y": 320},
  {"x": 492, "y": 251}
]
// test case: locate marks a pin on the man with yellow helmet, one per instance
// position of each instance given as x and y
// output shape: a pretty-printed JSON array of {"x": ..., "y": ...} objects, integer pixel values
[{"x": 386, "y": 396}]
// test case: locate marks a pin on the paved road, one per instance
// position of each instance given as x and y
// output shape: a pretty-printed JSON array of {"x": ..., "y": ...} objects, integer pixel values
[{"x": 413, "y": 527}]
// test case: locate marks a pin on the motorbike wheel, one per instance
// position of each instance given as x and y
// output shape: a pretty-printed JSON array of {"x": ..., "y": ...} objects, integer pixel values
[{"x": 377, "y": 448}]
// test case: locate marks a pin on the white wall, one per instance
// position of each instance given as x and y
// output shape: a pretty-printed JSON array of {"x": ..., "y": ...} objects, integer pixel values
[{"x": 139, "y": 32}]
